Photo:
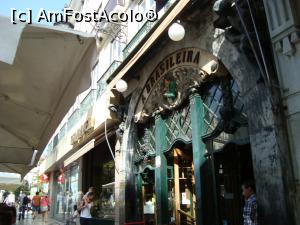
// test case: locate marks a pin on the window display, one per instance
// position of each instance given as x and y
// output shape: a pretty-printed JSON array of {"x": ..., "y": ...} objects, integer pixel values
[
  {"x": 98, "y": 171},
  {"x": 102, "y": 178},
  {"x": 107, "y": 201},
  {"x": 66, "y": 192}
]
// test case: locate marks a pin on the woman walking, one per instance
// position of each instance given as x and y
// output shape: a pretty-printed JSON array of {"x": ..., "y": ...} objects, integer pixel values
[
  {"x": 44, "y": 208},
  {"x": 36, "y": 201}
]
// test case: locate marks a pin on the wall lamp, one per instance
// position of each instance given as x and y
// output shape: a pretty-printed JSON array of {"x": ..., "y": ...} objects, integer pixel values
[
  {"x": 121, "y": 86},
  {"x": 176, "y": 31}
]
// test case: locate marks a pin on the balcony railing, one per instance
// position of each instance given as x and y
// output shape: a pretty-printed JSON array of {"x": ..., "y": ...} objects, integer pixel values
[
  {"x": 144, "y": 30},
  {"x": 137, "y": 38},
  {"x": 102, "y": 83},
  {"x": 84, "y": 107},
  {"x": 88, "y": 102}
]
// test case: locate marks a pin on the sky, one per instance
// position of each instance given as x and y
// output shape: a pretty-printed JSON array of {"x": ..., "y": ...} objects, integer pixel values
[{"x": 35, "y": 5}]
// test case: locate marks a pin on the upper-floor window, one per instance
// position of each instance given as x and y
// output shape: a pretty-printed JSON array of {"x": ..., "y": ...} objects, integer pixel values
[
  {"x": 116, "y": 48},
  {"x": 151, "y": 4}
]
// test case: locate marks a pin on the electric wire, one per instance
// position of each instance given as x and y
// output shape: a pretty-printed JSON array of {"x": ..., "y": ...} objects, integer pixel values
[
  {"x": 258, "y": 41},
  {"x": 251, "y": 43},
  {"x": 108, "y": 144}
]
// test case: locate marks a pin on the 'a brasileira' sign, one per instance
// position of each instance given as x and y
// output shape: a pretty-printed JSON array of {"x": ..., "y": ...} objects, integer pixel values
[{"x": 168, "y": 83}]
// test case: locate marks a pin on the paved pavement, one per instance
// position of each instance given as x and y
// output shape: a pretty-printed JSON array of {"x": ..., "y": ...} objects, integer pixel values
[{"x": 37, "y": 221}]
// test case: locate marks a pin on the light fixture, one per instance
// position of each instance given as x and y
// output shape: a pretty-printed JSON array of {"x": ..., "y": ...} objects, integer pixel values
[
  {"x": 33, "y": 157},
  {"x": 176, "y": 31},
  {"x": 121, "y": 86}
]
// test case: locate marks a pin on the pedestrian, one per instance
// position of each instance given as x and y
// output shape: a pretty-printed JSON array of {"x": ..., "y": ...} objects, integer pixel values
[
  {"x": 91, "y": 189},
  {"x": 21, "y": 196},
  {"x": 250, "y": 208},
  {"x": 10, "y": 199},
  {"x": 44, "y": 207},
  {"x": 79, "y": 200},
  {"x": 85, "y": 209},
  {"x": 1, "y": 196},
  {"x": 35, "y": 203},
  {"x": 23, "y": 206},
  {"x": 7, "y": 214}
]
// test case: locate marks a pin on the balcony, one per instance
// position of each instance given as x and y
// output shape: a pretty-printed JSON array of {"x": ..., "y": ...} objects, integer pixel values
[
  {"x": 102, "y": 82},
  {"x": 137, "y": 38},
  {"x": 145, "y": 29},
  {"x": 90, "y": 99},
  {"x": 86, "y": 104},
  {"x": 111, "y": 6},
  {"x": 114, "y": 5}
]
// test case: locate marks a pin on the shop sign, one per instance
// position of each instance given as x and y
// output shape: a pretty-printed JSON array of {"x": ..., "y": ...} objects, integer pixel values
[
  {"x": 44, "y": 178},
  {"x": 61, "y": 178},
  {"x": 169, "y": 83},
  {"x": 83, "y": 131}
]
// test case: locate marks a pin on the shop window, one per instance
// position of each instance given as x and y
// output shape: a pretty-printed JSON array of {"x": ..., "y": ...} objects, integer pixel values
[
  {"x": 66, "y": 189},
  {"x": 99, "y": 172}
]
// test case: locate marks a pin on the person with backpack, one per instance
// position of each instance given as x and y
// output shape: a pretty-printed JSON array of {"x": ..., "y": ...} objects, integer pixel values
[
  {"x": 36, "y": 201},
  {"x": 23, "y": 206}
]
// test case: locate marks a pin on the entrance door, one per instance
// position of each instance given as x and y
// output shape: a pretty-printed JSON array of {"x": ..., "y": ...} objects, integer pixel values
[
  {"x": 148, "y": 197},
  {"x": 182, "y": 188},
  {"x": 233, "y": 166}
]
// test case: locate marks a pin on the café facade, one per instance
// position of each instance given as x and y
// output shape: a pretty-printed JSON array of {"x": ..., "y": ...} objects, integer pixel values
[
  {"x": 200, "y": 116},
  {"x": 199, "y": 121}
]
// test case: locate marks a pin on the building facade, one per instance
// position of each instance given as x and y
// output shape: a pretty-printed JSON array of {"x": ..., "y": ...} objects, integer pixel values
[{"x": 199, "y": 117}]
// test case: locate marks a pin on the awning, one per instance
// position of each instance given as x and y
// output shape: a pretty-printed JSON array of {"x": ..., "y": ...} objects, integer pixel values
[
  {"x": 87, "y": 147},
  {"x": 56, "y": 162},
  {"x": 42, "y": 70}
]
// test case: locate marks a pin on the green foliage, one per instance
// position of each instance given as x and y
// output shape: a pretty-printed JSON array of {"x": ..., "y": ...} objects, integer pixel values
[
  {"x": 5, "y": 194},
  {"x": 24, "y": 188},
  {"x": 108, "y": 172}
]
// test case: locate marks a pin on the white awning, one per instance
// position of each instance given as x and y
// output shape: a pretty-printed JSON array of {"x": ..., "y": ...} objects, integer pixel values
[
  {"x": 87, "y": 147},
  {"x": 42, "y": 70}
]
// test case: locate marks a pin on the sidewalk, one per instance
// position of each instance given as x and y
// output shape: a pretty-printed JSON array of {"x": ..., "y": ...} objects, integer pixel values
[{"x": 37, "y": 221}]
